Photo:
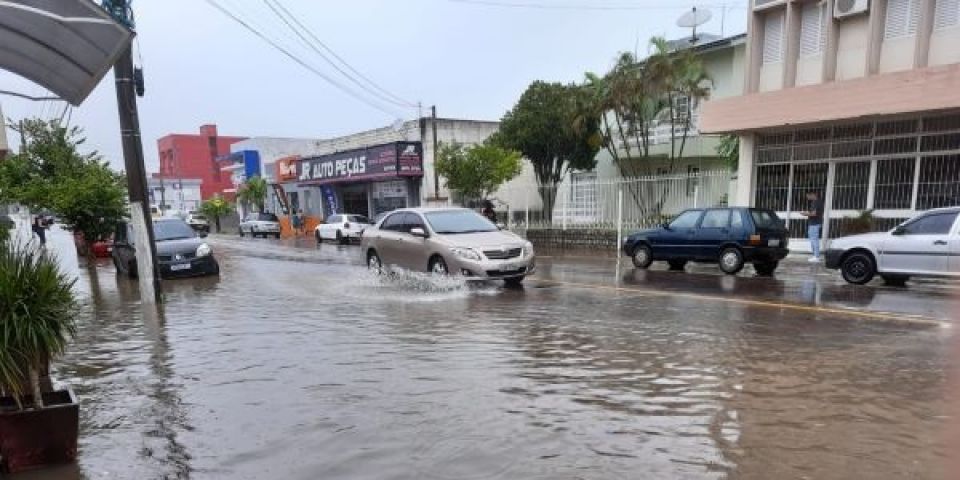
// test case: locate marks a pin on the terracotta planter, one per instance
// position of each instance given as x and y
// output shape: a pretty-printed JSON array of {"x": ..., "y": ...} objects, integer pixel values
[{"x": 35, "y": 438}]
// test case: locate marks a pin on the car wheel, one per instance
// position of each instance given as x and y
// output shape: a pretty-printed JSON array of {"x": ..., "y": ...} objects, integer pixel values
[
  {"x": 731, "y": 261},
  {"x": 765, "y": 269},
  {"x": 677, "y": 264},
  {"x": 895, "y": 280},
  {"x": 513, "y": 282},
  {"x": 858, "y": 268},
  {"x": 317, "y": 234},
  {"x": 216, "y": 268},
  {"x": 438, "y": 266},
  {"x": 642, "y": 256},
  {"x": 373, "y": 262}
]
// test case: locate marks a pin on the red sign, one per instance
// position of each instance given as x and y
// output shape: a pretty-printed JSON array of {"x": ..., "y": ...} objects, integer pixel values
[{"x": 286, "y": 168}]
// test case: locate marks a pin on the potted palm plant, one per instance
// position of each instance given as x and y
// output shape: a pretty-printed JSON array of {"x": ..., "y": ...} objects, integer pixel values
[{"x": 38, "y": 426}]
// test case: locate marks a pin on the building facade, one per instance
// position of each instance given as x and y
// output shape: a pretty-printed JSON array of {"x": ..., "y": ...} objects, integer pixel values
[
  {"x": 857, "y": 100},
  {"x": 196, "y": 156},
  {"x": 174, "y": 196}
]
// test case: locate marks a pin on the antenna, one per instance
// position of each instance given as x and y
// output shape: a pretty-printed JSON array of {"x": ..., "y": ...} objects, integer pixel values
[{"x": 693, "y": 19}]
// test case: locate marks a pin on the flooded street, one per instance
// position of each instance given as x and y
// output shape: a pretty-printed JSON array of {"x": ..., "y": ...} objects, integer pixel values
[{"x": 298, "y": 364}]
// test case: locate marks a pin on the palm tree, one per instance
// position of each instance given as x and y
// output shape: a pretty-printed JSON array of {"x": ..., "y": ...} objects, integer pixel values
[
  {"x": 37, "y": 320},
  {"x": 253, "y": 193},
  {"x": 215, "y": 208}
]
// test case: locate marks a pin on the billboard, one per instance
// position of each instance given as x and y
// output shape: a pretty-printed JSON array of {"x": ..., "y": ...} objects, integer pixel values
[
  {"x": 372, "y": 163},
  {"x": 286, "y": 168}
]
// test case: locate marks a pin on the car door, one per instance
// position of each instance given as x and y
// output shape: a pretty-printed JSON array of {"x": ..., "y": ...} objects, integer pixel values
[
  {"x": 388, "y": 238},
  {"x": 921, "y": 245},
  {"x": 713, "y": 231},
  {"x": 412, "y": 250},
  {"x": 676, "y": 240},
  {"x": 328, "y": 228}
]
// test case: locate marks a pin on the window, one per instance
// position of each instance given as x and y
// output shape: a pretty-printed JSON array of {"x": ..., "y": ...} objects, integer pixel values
[
  {"x": 266, "y": 217},
  {"x": 583, "y": 196},
  {"x": 681, "y": 107},
  {"x": 357, "y": 219},
  {"x": 947, "y": 14},
  {"x": 902, "y": 18},
  {"x": 773, "y": 183},
  {"x": 939, "y": 182},
  {"x": 459, "y": 221},
  {"x": 894, "y": 186},
  {"x": 693, "y": 180},
  {"x": 773, "y": 37},
  {"x": 716, "y": 219},
  {"x": 686, "y": 219},
  {"x": 812, "y": 20},
  {"x": 766, "y": 219},
  {"x": 411, "y": 221},
  {"x": 334, "y": 219},
  {"x": 736, "y": 219},
  {"x": 934, "y": 224},
  {"x": 393, "y": 223},
  {"x": 851, "y": 181}
]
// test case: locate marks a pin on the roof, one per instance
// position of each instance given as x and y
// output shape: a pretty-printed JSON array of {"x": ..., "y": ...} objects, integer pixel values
[
  {"x": 65, "y": 46},
  {"x": 706, "y": 42}
]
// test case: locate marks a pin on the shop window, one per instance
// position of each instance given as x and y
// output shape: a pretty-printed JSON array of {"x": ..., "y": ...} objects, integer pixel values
[
  {"x": 939, "y": 182},
  {"x": 894, "y": 185},
  {"x": 850, "y": 183},
  {"x": 773, "y": 184}
]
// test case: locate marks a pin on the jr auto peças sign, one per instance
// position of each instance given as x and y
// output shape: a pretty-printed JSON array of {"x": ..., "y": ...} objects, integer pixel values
[{"x": 378, "y": 162}]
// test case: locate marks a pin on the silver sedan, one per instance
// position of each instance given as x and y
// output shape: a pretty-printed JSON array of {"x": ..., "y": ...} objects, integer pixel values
[{"x": 454, "y": 241}]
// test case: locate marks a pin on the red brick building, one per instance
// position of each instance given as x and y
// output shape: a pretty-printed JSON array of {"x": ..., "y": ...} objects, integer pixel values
[{"x": 195, "y": 156}]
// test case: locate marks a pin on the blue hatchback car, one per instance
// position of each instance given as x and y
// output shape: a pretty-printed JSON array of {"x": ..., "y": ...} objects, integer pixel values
[{"x": 730, "y": 237}]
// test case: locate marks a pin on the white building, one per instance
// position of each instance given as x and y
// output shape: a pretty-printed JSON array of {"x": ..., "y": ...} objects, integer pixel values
[{"x": 174, "y": 195}]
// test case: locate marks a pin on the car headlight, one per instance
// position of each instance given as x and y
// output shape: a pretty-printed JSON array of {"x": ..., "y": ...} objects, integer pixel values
[
  {"x": 203, "y": 250},
  {"x": 466, "y": 253},
  {"x": 528, "y": 250}
]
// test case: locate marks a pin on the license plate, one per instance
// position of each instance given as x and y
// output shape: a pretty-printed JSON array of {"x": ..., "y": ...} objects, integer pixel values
[
  {"x": 773, "y": 243},
  {"x": 179, "y": 266}
]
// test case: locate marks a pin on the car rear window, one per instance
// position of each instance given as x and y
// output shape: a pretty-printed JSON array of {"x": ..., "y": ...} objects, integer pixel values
[
  {"x": 358, "y": 219},
  {"x": 267, "y": 217},
  {"x": 766, "y": 219}
]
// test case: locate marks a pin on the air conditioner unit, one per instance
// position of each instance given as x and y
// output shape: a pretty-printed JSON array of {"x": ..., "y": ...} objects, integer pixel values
[{"x": 849, "y": 8}]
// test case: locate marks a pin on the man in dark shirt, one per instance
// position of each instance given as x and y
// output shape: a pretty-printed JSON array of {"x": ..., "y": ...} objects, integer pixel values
[{"x": 814, "y": 214}]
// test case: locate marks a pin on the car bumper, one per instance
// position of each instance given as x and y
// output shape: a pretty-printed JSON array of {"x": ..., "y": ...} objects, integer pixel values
[
  {"x": 768, "y": 254},
  {"x": 493, "y": 269},
  {"x": 832, "y": 258},
  {"x": 197, "y": 266},
  {"x": 200, "y": 227}
]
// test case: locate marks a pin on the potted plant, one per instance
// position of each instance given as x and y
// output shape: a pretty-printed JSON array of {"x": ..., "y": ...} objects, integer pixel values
[{"x": 37, "y": 307}]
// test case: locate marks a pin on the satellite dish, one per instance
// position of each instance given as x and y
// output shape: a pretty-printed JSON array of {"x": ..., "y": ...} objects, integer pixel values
[{"x": 693, "y": 19}]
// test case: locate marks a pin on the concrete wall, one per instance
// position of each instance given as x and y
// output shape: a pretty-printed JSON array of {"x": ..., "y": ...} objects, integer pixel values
[
  {"x": 176, "y": 199},
  {"x": 896, "y": 54},
  {"x": 945, "y": 46},
  {"x": 809, "y": 70},
  {"x": 852, "y": 39},
  {"x": 771, "y": 76}
]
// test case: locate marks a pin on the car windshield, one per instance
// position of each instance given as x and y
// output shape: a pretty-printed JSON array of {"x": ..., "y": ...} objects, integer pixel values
[
  {"x": 172, "y": 230},
  {"x": 765, "y": 219},
  {"x": 459, "y": 221},
  {"x": 265, "y": 217},
  {"x": 357, "y": 219}
]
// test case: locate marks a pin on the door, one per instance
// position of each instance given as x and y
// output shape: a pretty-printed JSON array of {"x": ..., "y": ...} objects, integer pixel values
[
  {"x": 921, "y": 245},
  {"x": 388, "y": 238},
  {"x": 677, "y": 240},
  {"x": 714, "y": 231},
  {"x": 412, "y": 251}
]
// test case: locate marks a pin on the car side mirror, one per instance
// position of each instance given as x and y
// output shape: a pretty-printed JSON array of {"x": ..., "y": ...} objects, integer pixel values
[
  {"x": 899, "y": 231},
  {"x": 418, "y": 232}
]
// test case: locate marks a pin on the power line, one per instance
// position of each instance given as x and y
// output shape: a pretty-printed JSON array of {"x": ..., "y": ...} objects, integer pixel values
[
  {"x": 300, "y": 61},
  {"x": 553, "y": 6},
  {"x": 382, "y": 92}
]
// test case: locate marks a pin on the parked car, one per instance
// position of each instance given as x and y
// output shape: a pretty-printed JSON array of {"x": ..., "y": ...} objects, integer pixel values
[
  {"x": 101, "y": 248},
  {"x": 730, "y": 237},
  {"x": 198, "y": 222},
  {"x": 926, "y": 245},
  {"x": 262, "y": 224},
  {"x": 181, "y": 252},
  {"x": 341, "y": 228},
  {"x": 448, "y": 241}
]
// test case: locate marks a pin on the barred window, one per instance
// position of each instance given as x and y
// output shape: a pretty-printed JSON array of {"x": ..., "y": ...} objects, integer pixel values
[
  {"x": 773, "y": 185},
  {"x": 894, "y": 185},
  {"x": 850, "y": 184},
  {"x": 939, "y": 182}
]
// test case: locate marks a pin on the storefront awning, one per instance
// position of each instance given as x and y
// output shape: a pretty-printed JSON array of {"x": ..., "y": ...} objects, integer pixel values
[{"x": 66, "y": 46}]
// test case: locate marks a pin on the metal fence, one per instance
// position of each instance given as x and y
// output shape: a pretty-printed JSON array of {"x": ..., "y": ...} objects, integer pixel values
[{"x": 585, "y": 202}]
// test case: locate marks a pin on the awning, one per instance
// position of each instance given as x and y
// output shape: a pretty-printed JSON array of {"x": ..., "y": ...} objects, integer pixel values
[{"x": 66, "y": 46}]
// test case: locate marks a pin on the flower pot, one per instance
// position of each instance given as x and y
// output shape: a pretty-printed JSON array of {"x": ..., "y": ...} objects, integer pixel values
[{"x": 35, "y": 438}]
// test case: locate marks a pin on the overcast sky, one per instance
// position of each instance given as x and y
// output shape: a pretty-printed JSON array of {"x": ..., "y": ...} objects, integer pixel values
[{"x": 471, "y": 58}]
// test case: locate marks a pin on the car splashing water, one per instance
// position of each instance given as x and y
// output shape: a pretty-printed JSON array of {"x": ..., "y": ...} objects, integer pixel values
[{"x": 409, "y": 286}]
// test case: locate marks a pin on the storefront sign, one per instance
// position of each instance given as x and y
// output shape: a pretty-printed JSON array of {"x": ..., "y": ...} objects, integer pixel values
[
  {"x": 286, "y": 168},
  {"x": 379, "y": 162}
]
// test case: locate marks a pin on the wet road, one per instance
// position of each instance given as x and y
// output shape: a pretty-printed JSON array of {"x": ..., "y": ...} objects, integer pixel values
[{"x": 298, "y": 364}]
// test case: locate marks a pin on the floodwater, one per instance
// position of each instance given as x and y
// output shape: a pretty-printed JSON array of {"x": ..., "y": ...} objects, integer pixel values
[{"x": 298, "y": 364}]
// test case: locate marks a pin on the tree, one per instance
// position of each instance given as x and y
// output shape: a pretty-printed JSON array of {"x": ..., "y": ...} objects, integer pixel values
[
  {"x": 477, "y": 171},
  {"x": 91, "y": 203},
  {"x": 729, "y": 150},
  {"x": 215, "y": 208},
  {"x": 253, "y": 192},
  {"x": 633, "y": 99},
  {"x": 548, "y": 128}
]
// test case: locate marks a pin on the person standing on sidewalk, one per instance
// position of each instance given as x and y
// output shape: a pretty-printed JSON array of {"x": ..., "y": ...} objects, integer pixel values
[
  {"x": 814, "y": 214},
  {"x": 296, "y": 221},
  {"x": 39, "y": 228}
]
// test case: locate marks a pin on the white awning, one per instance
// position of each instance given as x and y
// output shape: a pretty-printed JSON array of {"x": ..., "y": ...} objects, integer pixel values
[{"x": 66, "y": 46}]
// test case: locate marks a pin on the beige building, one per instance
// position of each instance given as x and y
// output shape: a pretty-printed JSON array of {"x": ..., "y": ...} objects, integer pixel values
[{"x": 858, "y": 100}]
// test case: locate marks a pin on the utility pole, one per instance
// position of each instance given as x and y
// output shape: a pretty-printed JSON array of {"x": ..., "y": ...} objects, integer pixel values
[
  {"x": 146, "y": 251},
  {"x": 436, "y": 176}
]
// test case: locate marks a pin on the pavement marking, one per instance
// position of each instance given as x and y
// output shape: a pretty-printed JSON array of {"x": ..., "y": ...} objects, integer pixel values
[{"x": 887, "y": 317}]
